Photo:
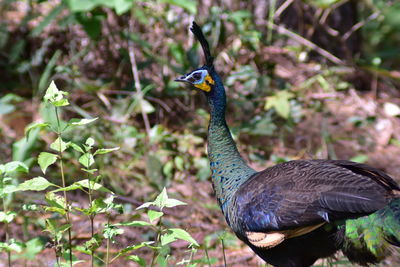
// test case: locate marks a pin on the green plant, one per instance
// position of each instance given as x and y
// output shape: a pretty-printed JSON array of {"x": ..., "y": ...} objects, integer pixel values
[
  {"x": 163, "y": 235},
  {"x": 7, "y": 215},
  {"x": 59, "y": 205}
]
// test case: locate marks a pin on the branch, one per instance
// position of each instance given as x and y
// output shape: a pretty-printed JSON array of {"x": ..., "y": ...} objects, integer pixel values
[
  {"x": 303, "y": 41},
  {"x": 135, "y": 73}
]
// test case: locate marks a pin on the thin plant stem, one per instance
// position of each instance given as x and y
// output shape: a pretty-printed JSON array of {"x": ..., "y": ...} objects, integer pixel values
[
  {"x": 223, "y": 251},
  {"x": 57, "y": 258},
  {"x": 6, "y": 229},
  {"x": 63, "y": 185},
  {"x": 271, "y": 16},
  {"x": 207, "y": 256},
  {"x": 191, "y": 257},
  {"x": 157, "y": 241},
  {"x": 91, "y": 216},
  {"x": 108, "y": 245}
]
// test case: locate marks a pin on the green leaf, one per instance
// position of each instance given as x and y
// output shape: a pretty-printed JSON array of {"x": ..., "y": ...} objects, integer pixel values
[
  {"x": 48, "y": 71},
  {"x": 7, "y": 217},
  {"x": 104, "y": 150},
  {"x": 135, "y": 224},
  {"x": 47, "y": 19},
  {"x": 32, "y": 126},
  {"x": 55, "y": 96},
  {"x": 59, "y": 145},
  {"x": 86, "y": 160},
  {"x": 32, "y": 248},
  {"x": 45, "y": 159},
  {"x": 122, "y": 6},
  {"x": 15, "y": 166},
  {"x": 81, "y": 5},
  {"x": 35, "y": 184},
  {"x": 76, "y": 147},
  {"x": 179, "y": 163},
  {"x": 71, "y": 187},
  {"x": 111, "y": 230},
  {"x": 138, "y": 260},
  {"x": 94, "y": 243},
  {"x": 280, "y": 101},
  {"x": 146, "y": 107},
  {"x": 79, "y": 122},
  {"x": 171, "y": 202},
  {"x": 53, "y": 227},
  {"x": 145, "y": 205},
  {"x": 189, "y": 5},
  {"x": 154, "y": 215},
  {"x": 15, "y": 246},
  {"x": 93, "y": 186},
  {"x": 174, "y": 234},
  {"x": 89, "y": 142},
  {"x": 161, "y": 199},
  {"x": 56, "y": 201}
]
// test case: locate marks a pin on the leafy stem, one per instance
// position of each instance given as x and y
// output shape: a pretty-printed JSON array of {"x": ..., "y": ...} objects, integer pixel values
[
  {"x": 6, "y": 225},
  {"x": 60, "y": 155}
]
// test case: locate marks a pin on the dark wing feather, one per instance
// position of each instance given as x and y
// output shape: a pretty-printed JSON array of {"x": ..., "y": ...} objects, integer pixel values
[
  {"x": 307, "y": 192},
  {"x": 204, "y": 44}
]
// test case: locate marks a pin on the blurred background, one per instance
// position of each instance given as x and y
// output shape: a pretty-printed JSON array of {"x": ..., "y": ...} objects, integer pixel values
[{"x": 304, "y": 79}]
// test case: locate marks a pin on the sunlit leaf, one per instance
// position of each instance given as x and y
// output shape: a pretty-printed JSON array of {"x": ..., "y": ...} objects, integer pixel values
[
  {"x": 79, "y": 122},
  {"x": 174, "y": 234},
  {"x": 32, "y": 126},
  {"x": 76, "y": 147},
  {"x": 89, "y": 142},
  {"x": 122, "y": 6},
  {"x": 154, "y": 215},
  {"x": 93, "y": 186},
  {"x": 171, "y": 202},
  {"x": 280, "y": 101},
  {"x": 59, "y": 145},
  {"x": 16, "y": 166},
  {"x": 105, "y": 150},
  {"x": 86, "y": 160},
  {"x": 189, "y": 5},
  {"x": 145, "y": 205},
  {"x": 55, "y": 96},
  {"x": 138, "y": 260},
  {"x": 7, "y": 217},
  {"x": 81, "y": 5},
  {"x": 34, "y": 184},
  {"x": 135, "y": 223},
  {"x": 45, "y": 159},
  {"x": 161, "y": 199},
  {"x": 111, "y": 230}
]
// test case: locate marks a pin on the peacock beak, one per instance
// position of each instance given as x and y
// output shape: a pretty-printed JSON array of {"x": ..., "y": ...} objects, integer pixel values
[{"x": 182, "y": 79}]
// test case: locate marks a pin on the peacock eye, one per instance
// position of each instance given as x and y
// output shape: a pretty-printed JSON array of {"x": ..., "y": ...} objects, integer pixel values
[{"x": 197, "y": 75}]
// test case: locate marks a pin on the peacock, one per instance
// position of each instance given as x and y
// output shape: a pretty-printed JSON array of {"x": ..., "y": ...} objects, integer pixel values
[{"x": 296, "y": 212}]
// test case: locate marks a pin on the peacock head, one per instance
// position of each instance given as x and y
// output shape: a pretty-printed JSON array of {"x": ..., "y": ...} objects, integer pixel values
[{"x": 201, "y": 78}]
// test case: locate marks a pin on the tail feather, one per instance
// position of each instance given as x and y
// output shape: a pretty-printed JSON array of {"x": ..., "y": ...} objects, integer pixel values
[
  {"x": 368, "y": 239},
  {"x": 390, "y": 216}
]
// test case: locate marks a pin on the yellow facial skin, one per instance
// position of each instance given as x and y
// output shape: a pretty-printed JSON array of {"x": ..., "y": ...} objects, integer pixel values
[{"x": 206, "y": 84}]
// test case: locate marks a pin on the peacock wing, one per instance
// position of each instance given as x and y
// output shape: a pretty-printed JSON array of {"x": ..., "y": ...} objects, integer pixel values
[{"x": 309, "y": 192}]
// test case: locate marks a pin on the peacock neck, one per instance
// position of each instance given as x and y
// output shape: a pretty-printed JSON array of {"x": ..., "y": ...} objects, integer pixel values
[{"x": 229, "y": 170}]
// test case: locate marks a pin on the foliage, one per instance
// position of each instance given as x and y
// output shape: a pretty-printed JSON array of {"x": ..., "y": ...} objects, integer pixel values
[{"x": 59, "y": 206}]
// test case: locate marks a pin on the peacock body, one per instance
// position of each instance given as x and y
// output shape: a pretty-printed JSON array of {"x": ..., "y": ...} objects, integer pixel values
[{"x": 296, "y": 212}]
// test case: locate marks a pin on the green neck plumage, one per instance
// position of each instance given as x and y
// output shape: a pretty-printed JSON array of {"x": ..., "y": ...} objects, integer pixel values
[{"x": 229, "y": 170}]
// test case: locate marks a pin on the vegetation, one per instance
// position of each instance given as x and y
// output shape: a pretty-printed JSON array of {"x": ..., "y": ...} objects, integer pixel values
[{"x": 86, "y": 159}]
